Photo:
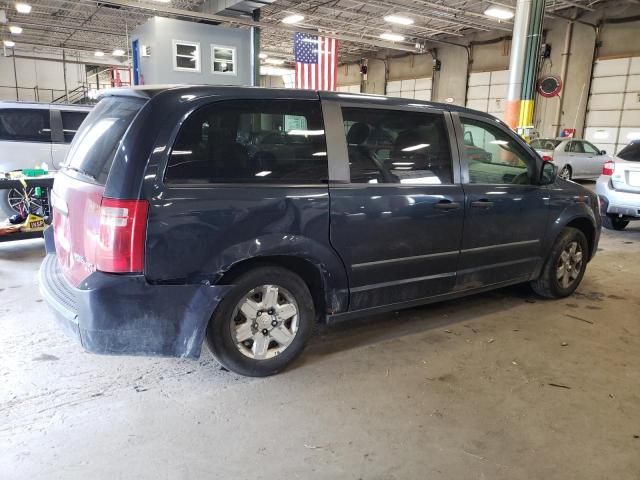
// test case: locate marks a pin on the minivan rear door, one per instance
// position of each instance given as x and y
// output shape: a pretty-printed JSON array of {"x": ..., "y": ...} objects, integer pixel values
[
  {"x": 25, "y": 137},
  {"x": 78, "y": 190},
  {"x": 397, "y": 206}
]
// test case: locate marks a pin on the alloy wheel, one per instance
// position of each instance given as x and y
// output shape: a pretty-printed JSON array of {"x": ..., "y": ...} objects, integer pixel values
[
  {"x": 565, "y": 173},
  {"x": 569, "y": 265},
  {"x": 265, "y": 322},
  {"x": 16, "y": 200}
]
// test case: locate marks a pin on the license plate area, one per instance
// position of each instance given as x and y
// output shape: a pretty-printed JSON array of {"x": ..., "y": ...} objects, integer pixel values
[{"x": 634, "y": 179}]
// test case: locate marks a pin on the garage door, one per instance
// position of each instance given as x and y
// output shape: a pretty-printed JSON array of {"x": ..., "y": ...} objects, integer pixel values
[
  {"x": 613, "y": 112},
  {"x": 487, "y": 91},
  {"x": 418, "y": 88}
]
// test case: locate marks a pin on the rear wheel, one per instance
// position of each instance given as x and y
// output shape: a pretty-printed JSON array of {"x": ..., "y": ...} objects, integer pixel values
[
  {"x": 263, "y": 324},
  {"x": 614, "y": 223},
  {"x": 565, "y": 172},
  {"x": 565, "y": 266}
]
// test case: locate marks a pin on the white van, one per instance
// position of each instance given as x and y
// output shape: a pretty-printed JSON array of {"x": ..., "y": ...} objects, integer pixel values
[{"x": 32, "y": 134}]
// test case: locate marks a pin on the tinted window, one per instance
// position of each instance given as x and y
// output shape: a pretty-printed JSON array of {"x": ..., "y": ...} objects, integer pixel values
[
  {"x": 392, "y": 146},
  {"x": 631, "y": 152},
  {"x": 71, "y": 122},
  {"x": 25, "y": 125},
  {"x": 494, "y": 157},
  {"x": 95, "y": 144},
  {"x": 251, "y": 141},
  {"x": 544, "y": 144}
]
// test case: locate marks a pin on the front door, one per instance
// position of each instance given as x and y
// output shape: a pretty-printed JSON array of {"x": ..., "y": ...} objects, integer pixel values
[
  {"x": 396, "y": 221},
  {"x": 506, "y": 212}
]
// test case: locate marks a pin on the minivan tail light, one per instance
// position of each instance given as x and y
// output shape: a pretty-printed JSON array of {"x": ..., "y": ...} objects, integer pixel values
[
  {"x": 547, "y": 158},
  {"x": 608, "y": 167},
  {"x": 123, "y": 231}
]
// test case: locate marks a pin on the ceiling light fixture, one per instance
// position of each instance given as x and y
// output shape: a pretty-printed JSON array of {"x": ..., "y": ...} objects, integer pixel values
[
  {"x": 274, "y": 61},
  {"x": 262, "y": 55},
  {"x": 23, "y": 7},
  {"x": 499, "y": 13},
  {"x": 293, "y": 18},
  {"x": 393, "y": 37},
  {"x": 9, "y": 43},
  {"x": 16, "y": 30},
  {"x": 398, "y": 19},
  {"x": 118, "y": 52},
  {"x": 98, "y": 53}
]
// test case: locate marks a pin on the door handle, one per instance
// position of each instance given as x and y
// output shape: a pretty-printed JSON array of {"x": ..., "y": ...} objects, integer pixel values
[
  {"x": 484, "y": 203},
  {"x": 446, "y": 205}
]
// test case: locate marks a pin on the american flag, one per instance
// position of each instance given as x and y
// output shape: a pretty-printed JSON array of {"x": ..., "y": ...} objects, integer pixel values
[{"x": 316, "y": 61}]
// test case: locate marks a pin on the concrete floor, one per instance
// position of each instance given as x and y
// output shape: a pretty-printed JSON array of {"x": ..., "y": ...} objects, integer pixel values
[{"x": 459, "y": 390}]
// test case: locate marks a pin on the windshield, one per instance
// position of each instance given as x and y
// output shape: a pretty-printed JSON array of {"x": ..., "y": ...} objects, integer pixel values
[
  {"x": 94, "y": 146},
  {"x": 631, "y": 152},
  {"x": 544, "y": 144}
]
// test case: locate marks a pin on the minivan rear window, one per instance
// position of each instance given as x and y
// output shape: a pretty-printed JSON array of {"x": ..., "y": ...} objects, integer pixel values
[
  {"x": 631, "y": 152},
  {"x": 94, "y": 145}
]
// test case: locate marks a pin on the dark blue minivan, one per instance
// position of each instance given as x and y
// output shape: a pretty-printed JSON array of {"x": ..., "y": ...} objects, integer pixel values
[{"x": 246, "y": 215}]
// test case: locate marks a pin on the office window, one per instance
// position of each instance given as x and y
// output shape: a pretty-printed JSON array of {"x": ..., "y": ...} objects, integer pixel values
[
  {"x": 223, "y": 59},
  {"x": 493, "y": 156},
  {"x": 252, "y": 141},
  {"x": 186, "y": 56},
  {"x": 396, "y": 146}
]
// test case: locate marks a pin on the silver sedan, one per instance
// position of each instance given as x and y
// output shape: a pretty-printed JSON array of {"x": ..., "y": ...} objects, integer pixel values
[{"x": 576, "y": 159}]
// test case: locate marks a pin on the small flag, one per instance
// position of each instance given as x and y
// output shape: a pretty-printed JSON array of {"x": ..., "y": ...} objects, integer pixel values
[{"x": 316, "y": 61}]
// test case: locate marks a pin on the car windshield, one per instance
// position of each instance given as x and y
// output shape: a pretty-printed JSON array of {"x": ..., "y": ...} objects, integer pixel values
[
  {"x": 631, "y": 152},
  {"x": 544, "y": 143}
]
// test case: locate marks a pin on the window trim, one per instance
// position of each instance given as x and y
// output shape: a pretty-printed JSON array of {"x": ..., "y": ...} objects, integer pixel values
[
  {"x": 339, "y": 173},
  {"x": 458, "y": 118},
  {"x": 234, "y": 61},
  {"x": 198, "y": 61}
]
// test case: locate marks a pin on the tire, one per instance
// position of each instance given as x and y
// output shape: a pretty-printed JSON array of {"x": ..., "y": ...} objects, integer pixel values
[
  {"x": 253, "y": 291},
  {"x": 549, "y": 284},
  {"x": 5, "y": 209},
  {"x": 614, "y": 223},
  {"x": 566, "y": 172}
]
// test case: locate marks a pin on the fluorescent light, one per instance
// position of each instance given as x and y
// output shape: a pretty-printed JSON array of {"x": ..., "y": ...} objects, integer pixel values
[
  {"x": 413, "y": 148},
  {"x": 98, "y": 53},
  {"x": 264, "y": 173},
  {"x": 403, "y": 164},
  {"x": 181, "y": 152},
  {"x": 276, "y": 71},
  {"x": 16, "y": 30},
  {"x": 274, "y": 61},
  {"x": 162, "y": 1},
  {"x": 394, "y": 37},
  {"x": 293, "y": 18},
  {"x": 499, "y": 13},
  {"x": 118, "y": 52},
  {"x": 319, "y": 154},
  {"x": 305, "y": 132},
  {"x": 262, "y": 55},
  {"x": 499, "y": 142},
  {"x": 9, "y": 43},
  {"x": 398, "y": 19},
  {"x": 23, "y": 7}
]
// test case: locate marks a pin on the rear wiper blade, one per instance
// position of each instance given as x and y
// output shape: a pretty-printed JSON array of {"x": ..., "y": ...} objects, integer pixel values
[{"x": 82, "y": 172}]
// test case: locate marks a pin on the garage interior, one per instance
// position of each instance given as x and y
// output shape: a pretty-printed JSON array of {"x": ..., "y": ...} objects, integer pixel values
[{"x": 501, "y": 384}]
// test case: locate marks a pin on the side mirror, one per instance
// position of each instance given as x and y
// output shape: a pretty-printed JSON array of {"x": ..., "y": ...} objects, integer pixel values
[
  {"x": 548, "y": 173},
  {"x": 603, "y": 152}
]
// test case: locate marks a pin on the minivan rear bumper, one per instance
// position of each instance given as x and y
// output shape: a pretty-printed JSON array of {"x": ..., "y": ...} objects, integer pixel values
[{"x": 125, "y": 315}]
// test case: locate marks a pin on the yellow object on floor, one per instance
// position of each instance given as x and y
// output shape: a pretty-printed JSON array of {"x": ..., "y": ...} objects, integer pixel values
[{"x": 33, "y": 223}]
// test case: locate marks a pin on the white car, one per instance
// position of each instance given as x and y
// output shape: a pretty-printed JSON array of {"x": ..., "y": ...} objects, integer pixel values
[
  {"x": 33, "y": 134},
  {"x": 618, "y": 188},
  {"x": 576, "y": 159}
]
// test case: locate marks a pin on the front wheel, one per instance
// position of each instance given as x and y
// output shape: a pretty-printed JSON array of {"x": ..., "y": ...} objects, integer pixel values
[
  {"x": 614, "y": 223},
  {"x": 565, "y": 266},
  {"x": 264, "y": 322}
]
